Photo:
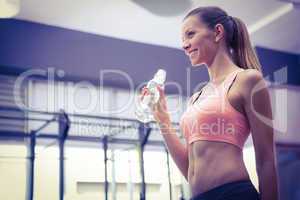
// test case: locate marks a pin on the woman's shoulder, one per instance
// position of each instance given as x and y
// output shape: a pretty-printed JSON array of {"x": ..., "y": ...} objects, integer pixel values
[
  {"x": 250, "y": 75},
  {"x": 249, "y": 79}
]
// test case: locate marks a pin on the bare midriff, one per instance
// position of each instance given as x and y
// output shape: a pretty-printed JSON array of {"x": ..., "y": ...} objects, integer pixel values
[{"x": 212, "y": 164}]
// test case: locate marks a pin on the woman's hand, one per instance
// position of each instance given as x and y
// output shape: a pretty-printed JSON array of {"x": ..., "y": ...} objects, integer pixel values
[{"x": 160, "y": 110}]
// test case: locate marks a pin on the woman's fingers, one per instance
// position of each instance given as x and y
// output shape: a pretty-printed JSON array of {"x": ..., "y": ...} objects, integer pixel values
[
  {"x": 144, "y": 92},
  {"x": 161, "y": 91},
  {"x": 160, "y": 105},
  {"x": 162, "y": 97}
]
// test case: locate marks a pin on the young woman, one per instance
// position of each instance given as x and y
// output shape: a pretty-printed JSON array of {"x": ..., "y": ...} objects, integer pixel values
[{"x": 220, "y": 117}]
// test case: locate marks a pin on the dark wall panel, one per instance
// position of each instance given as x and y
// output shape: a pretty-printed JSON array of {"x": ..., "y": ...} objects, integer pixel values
[
  {"x": 272, "y": 61},
  {"x": 26, "y": 45},
  {"x": 82, "y": 56}
]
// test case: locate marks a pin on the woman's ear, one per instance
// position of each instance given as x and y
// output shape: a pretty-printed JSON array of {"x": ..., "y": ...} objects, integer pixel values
[{"x": 219, "y": 32}]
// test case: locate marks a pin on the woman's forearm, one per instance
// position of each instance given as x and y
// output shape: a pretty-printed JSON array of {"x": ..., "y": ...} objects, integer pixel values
[
  {"x": 177, "y": 150},
  {"x": 268, "y": 181}
]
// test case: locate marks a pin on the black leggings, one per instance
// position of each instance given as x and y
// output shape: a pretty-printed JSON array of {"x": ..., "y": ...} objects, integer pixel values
[{"x": 237, "y": 190}]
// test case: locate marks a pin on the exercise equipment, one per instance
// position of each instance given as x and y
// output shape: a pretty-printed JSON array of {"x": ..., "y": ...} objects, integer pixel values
[{"x": 116, "y": 126}]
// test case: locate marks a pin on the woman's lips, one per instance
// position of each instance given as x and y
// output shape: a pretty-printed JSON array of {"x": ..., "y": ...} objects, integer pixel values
[{"x": 193, "y": 53}]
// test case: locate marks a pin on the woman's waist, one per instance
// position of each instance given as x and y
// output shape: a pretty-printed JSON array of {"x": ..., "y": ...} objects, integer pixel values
[
  {"x": 237, "y": 189},
  {"x": 205, "y": 174},
  {"x": 216, "y": 166},
  {"x": 202, "y": 182}
]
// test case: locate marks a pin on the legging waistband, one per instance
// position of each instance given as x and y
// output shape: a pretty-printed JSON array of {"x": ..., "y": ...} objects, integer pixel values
[{"x": 243, "y": 189}]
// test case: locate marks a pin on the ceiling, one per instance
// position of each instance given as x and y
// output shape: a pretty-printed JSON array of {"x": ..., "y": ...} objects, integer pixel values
[{"x": 271, "y": 23}]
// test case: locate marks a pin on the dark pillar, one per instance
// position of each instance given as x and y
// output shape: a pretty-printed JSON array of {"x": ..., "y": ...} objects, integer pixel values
[
  {"x": 105, "y": 167},
  {"x": 30, "y": 166},
  {"x": 144, "y": 132},
  {"x": 64, "y": 125}
]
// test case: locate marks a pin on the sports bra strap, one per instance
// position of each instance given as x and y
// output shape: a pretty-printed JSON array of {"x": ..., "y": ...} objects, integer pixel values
[
  {"x": 229, "y": 80},
  {"x": 224, "y": 86}
]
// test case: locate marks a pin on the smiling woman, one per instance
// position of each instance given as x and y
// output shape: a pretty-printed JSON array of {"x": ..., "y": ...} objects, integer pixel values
[{"x": 212, "y": 161}]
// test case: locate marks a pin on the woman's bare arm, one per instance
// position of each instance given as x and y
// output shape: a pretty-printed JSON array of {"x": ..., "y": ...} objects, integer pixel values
[
  {"x": 178, "y": 151},
  {"x": 259, "y": 113}
]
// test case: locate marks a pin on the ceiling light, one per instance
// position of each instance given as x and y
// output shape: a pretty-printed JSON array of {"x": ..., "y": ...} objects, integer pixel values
[
  {"x": 9, "y": 8},
  {"x": 296, "y": 3},
  {"x": 165, "y": 8}
]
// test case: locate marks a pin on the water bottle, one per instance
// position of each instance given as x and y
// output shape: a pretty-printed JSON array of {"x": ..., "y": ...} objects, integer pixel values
[{"x": 144, "y": 112}]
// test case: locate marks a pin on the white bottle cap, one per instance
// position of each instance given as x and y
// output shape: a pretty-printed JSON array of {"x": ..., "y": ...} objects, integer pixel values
[{"x": 160, "y": 76}]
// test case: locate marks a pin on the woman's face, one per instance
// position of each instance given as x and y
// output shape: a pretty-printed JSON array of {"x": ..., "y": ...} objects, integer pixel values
[{"x": 198, "y": 41}]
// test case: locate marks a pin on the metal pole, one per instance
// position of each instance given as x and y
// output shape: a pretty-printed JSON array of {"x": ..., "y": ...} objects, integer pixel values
[
  {"x": 61, "y": 170},
  {"x": 31, "y": 158},
  {"x": 113, "y": 176},
  {"x": 64, "y": 125},
  {"x": 142, "y": 172},
  {"x": 105, "y": 167},
  {"x": 144, "y": 133},
  {"x": 169, "y": 174},
  {"x": 30, "y": 166}
]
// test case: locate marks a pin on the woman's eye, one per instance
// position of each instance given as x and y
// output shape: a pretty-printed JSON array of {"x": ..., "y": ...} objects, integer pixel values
[{"x": 191, "y": 33}]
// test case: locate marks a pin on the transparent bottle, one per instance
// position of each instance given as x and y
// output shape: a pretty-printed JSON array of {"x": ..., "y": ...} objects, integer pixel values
[{"x": 143, "y": 111}]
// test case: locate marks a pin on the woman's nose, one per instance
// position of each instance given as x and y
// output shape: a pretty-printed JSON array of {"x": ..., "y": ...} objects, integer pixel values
[{"x": 186, "y": 45}]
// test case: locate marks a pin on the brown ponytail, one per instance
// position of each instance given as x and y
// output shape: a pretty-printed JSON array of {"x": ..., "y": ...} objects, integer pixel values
[
  {"x": 243, "y": 53},
  {"x": 237, "y": 36}
]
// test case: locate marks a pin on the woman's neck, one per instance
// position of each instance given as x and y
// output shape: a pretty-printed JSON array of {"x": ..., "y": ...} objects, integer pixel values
[{"x": 221, "y": 66}]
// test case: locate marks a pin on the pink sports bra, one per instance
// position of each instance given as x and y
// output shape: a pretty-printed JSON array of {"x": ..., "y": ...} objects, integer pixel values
[{"x": 213, "y": 118}]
